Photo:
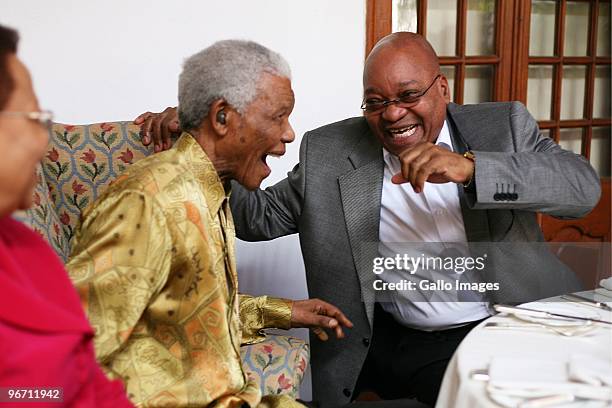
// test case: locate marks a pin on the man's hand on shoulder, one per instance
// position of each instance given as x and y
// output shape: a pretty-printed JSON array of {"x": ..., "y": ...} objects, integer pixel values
[
  {"x": 159, "y": 128},
  {"x": 432, "y": 163},
  {"x": 319, "y": 315}
]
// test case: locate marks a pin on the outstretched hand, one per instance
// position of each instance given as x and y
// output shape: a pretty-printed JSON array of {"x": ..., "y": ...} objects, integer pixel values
[
  {"x": 319, "y": 316},
  {"x": 159, "y": 128}
]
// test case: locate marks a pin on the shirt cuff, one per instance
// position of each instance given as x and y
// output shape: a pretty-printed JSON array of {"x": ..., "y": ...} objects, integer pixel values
[
  {"x": 277, "y": 313},
  {"x": 263, "y": 312}
]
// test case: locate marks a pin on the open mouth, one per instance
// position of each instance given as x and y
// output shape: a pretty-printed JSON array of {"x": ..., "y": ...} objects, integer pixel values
[
  {"x": 271, "y": 154},
  {"x": 403, "y": 132}
]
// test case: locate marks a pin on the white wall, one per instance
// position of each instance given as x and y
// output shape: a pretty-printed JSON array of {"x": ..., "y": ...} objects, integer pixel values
[{"x": 110, "y": 60}]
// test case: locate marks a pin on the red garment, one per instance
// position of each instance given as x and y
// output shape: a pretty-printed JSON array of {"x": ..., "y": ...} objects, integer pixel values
[{"x": 45, "y": 339}]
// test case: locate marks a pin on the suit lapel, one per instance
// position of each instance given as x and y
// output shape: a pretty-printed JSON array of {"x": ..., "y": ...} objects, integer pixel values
[{"x": 361, "y": 191}]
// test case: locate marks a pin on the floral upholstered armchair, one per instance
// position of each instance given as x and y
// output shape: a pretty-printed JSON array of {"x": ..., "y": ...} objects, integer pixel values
[{"x": 81, "y": 161}]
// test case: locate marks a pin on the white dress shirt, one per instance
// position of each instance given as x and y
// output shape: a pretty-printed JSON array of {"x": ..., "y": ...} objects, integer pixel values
[{"x": 433, "y": 216}]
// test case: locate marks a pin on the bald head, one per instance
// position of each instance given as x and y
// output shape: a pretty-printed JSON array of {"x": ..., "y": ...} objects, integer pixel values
[
  {"x": 405, "y": 38},
  {"x": 411, "y": 45}
]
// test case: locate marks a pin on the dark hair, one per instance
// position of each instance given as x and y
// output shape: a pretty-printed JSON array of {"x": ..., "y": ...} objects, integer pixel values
[{"x": 8, "y": 45}]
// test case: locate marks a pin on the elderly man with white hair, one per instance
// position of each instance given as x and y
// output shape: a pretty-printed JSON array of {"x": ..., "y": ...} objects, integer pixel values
[{"x": 154, "y": 256}]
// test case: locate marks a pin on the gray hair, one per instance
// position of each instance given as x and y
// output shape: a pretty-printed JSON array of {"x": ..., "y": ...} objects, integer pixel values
[{"x": 230, "y": 70}]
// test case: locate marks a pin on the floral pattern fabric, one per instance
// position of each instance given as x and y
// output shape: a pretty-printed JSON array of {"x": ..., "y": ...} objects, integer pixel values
[
  {"x": 268, "y": 363},
  {"x": 80, "y": 162}
]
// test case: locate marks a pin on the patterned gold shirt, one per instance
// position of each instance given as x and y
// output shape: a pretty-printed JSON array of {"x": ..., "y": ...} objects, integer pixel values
[{"x": 154, "y": 264}]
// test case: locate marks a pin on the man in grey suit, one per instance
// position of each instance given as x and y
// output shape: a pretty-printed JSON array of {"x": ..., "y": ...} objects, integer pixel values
[{"x": 416, "y": 168}]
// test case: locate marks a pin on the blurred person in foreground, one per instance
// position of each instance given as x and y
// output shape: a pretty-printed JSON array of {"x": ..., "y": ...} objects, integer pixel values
[
  {"x": 154, "y": 256},
  {"x": 45, "y": 338}
]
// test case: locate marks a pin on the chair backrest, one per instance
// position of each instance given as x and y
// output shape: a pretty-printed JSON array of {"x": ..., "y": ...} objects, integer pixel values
[{"x": 81, "y": 161}]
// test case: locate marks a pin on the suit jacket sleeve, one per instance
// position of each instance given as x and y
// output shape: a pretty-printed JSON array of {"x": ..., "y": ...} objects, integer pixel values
[
  {"x": 546, "y": 178},
  {"x": 262, "y": 215}
]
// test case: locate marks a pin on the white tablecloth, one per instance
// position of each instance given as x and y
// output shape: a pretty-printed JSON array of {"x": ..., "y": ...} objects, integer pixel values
[{"x": 482, "y": 344}]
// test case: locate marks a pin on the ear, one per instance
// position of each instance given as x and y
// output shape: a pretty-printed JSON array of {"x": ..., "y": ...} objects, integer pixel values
[
  {"x": 220, "y": 117},
  {"x": 445, "y": 89}
]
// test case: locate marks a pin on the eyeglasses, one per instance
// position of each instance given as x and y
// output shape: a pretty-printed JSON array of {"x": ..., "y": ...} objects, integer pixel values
[
  {"x": 45, "y": 118},
  {"x": 405, "y": 101}
]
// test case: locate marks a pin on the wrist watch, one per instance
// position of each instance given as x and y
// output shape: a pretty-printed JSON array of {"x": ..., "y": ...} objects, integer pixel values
[{"x": 470, "y": 156}]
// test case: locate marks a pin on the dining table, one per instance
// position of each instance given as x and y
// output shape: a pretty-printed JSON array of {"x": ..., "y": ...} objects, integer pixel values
[{"x": 519, "y": 358}]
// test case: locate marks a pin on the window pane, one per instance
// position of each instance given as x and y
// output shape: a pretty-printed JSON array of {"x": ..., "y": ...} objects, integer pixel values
[
  {"x": 601, "y": 101},
  {"x": 542, "y": 30},
  {"x": 539, "y": 91},
  {"x": 449, "y": 73},
  {"x": 478, "y": 85},
  {"x": 572, "y": 91},
  {"x": 576, "y": 28},
  {"x": 404, "y": 15},
  {"x": 480, "y": 35},
  {"x": 600, "y": 150},
  {"x": 441, "y": 25},
  {"x": 571, "y": 139},
  {"x": 603, "y": 30},
  {"x": 546, "y": 133}
]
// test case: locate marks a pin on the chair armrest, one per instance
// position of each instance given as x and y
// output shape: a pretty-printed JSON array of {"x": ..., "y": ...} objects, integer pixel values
[{"x": 277, "y": 364}]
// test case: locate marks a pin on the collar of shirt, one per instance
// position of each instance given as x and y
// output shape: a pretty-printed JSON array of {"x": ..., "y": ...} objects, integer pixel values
[
  {"x": 443, "y": 140},
  {"x": 211, "y": 185}
]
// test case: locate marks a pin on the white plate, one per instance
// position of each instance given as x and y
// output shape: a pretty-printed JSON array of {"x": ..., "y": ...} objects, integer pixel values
[{"x": 562, "y": 308}]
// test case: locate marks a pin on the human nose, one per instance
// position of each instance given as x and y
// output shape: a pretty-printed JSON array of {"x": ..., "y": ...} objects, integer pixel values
[
  {"x": 393, "y": 112},
  {"x": 289, "y": 134},
  {"x": 42, "y": 138}
]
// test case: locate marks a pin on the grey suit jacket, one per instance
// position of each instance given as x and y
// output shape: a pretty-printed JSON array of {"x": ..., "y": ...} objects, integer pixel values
[{"x": 332, "y": 199}]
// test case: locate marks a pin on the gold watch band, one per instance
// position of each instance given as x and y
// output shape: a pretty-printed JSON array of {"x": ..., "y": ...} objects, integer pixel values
[{"x": 470, "y": 156}]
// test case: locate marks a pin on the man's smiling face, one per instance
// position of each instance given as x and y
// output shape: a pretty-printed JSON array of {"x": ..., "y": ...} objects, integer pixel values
[
  {"x": 262, "y": 130},
  {"x": 401, "y": 67}
]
